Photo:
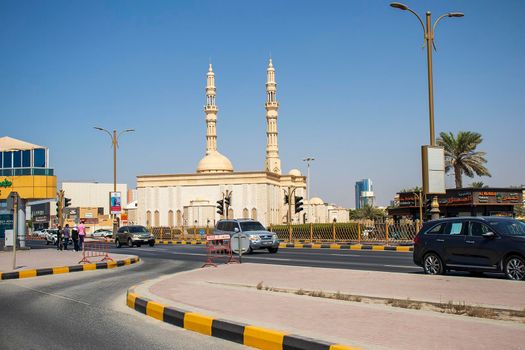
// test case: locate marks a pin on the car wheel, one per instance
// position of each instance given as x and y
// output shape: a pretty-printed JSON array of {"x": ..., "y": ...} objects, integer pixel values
[
  {"x": 273, "y": 250},
  {"x": 151, "y": 244},
  {"x": 515, "y": 268},
  {"x": 433, "y": 265},
  {"x": 249, "y": 251},
  {"x": 130, "y": 243},
  {"x": 117, "y": 243},
  {"x": 47, "y": 242}
]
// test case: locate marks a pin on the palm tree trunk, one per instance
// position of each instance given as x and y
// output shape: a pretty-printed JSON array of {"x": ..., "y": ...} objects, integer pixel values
[{"x": 457, "y": 176}]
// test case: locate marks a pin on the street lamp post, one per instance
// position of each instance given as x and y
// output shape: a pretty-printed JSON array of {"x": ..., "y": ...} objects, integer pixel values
[
  {"x": 308, "y": 160},
  {"x": 428, "y": 30},
  {"x": 114, "y": 141}
]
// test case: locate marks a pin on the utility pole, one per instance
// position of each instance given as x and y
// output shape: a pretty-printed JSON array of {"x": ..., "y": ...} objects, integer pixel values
[
  {"x": 308, "y": 160},
  {"x": 15, "y": 226}
]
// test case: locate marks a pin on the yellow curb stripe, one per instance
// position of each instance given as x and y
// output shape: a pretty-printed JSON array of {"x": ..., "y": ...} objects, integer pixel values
[
  {"x": 155, "y": 310},
  {"x": 27, "y": 273},
  {"x": 112, "y": 264},
  {"x": 343, "y": 347},
  {"x": 198, "y": 323},
  {"x": 89, "y": 267},
  {"x": 263, "y": 338},
  {"x": 355, "y": 247},
  {"x": 378, "y": 247},
  {"x": 403, "y": 249},
  {"x": 335, "y": 246},
  {"x": 59, "y": 270},
  {"x": 316, "y": 246},
  {"x": 282, "y": 245},
  {"x": 298, "y": 245},
  {"x": 127, "y": 261},
  {"x": 131, "y": 300}
]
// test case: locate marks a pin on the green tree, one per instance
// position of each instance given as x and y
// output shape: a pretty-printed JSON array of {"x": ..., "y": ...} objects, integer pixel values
[
  {"x": 478, "y": 184},
  {"x": 461, "y": 155},
  {"x": 367, "y": 212}
]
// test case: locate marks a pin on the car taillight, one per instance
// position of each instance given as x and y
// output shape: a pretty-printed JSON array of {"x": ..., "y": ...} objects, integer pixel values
[{"x": 416, "y": 239}]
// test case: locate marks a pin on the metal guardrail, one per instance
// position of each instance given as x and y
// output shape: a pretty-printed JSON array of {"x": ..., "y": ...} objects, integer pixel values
[{"x": 354, "y": 232}]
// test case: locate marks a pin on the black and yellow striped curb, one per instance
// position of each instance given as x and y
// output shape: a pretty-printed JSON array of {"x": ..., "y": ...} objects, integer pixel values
[
  {"x": 314, "y": 246},
  {"x": 347, "y": 246},
  {"x": 257, "y": 337},
  {"x": 66, "y": 269}
]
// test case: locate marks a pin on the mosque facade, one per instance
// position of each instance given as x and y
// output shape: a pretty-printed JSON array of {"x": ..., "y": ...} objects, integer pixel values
[{"x": 191, "y": 199}]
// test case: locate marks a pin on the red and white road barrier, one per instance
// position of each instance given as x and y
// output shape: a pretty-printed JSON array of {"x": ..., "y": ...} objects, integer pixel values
[
  {"x": 218, "y": 245},
  {"x": 95, "y": 248}
]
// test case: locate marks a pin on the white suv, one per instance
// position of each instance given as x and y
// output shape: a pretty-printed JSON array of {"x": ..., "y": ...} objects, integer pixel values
[{"x": 260, "y": 238}]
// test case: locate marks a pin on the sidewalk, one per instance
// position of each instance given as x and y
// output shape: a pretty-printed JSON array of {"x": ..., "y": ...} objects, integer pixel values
[
  {"x": 37, "y": 259},
  {"x": 230, "y": 292}
]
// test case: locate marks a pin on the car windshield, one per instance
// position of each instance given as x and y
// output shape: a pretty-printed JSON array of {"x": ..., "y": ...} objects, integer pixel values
[
  {"x": 252, "y": 226},
  {"x": 509, "y": 227},
  {"x": 138, "y": 229}
]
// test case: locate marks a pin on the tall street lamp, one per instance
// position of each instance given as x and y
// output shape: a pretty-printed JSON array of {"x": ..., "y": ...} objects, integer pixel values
[
  {"x": 308, "y": 160},
  {"x": 114, "y": 141},
  {"x": 428, "y": 30}
]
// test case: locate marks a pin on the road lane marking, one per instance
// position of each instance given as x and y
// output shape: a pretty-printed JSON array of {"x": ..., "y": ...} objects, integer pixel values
[{"x": 52, "y": 294}]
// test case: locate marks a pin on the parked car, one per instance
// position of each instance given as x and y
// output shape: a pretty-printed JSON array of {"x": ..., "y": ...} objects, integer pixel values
[
  {"x": 51, "y": 237},
  {"x": 102, "y": 233},
  {"x": 260, "y": 238},
  {"x": 134, "y": 235},
  {"x": 40, "y": 233},
  {"x": 476, "y": 244}
]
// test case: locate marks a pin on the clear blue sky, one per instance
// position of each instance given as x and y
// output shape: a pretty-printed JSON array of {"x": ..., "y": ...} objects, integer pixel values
[{"x": 351, "y": 83}]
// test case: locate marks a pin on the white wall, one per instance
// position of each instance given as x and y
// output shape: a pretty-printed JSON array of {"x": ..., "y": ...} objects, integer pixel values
[{"x": 85, "y": 194}]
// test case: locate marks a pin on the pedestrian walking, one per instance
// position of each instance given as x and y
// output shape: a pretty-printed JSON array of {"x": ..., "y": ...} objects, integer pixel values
[
  {"x": 59, "y": 238},
  {"x": 74, "y": 237},
  {"x": 67, "y": 233},
  {"x": 81, "y": 234}
]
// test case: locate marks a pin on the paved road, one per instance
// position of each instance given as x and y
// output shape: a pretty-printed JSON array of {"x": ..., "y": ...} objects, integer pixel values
[{"x": 88, "y": 310}]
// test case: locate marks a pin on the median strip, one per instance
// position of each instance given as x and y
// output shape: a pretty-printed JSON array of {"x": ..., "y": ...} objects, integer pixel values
[
  {"x": 67, "y": 269},
  {"x": 339, "y": 246},
  {"x": 257, "y": 337}
]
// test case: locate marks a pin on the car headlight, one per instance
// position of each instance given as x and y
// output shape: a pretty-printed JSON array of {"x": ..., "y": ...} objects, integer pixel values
[
  {"x": 254, "y": 238},
  {"x": 274, "y": 237}
]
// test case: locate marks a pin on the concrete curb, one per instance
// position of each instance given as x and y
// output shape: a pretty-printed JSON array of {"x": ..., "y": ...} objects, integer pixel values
[
  {"x": 66, "y": 269},
  {"x": 339, "y": 246},
  {"x": 257, "y": 337}
]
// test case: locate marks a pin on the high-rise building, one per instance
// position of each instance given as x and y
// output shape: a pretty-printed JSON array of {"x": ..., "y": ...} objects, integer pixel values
[{"x": 364, "y": 193}]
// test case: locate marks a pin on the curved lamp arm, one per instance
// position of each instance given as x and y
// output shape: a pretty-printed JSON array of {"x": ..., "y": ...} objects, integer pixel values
[
  {"x": 102, "y": 129},
  {"x": 124, "y": 131}
]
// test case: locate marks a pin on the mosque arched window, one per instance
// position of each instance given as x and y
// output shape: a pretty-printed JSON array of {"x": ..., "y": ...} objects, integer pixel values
[
  {"x": 148, "y": 218},
  {"x": 157, "y": 218},
  {"x": 170, "y": 218}
]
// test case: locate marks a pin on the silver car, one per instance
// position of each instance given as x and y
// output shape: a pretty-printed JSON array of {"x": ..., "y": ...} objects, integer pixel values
[
  {"x": 260, "y": 237},
  {"x": 134, "y": 235}
]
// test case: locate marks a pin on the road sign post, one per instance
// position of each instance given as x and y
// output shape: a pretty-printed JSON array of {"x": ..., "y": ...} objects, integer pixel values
[{"x": 12, "y": 204}]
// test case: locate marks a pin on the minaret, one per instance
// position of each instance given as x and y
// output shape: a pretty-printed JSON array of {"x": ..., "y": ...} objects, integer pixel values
[
  {"x": 211, "y": 113},
  {"x": 213, "y": 161},
  {"x": 272, "y": 163}
]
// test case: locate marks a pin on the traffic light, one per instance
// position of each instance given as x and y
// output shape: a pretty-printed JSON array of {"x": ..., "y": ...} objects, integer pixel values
[
  {"x": 298, "y": 204},
  {"x": 220, "y": 207},
  {"x": 227, "y": 201},
  {"x": 67, "y": 202},
  {"x": 58, "y": 206},
  {"x": 286, "y": 199},
  {"x": 428, "y": 207}
]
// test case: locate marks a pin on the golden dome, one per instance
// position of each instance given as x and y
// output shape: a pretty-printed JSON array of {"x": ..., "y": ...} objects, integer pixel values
[{"x": 215, "y": 163}]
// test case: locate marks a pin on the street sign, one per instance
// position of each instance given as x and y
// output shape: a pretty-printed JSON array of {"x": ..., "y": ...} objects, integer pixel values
[
  {"x": 240, "y": 239},
  {"x": 115, "y": 203},
  {"x": 217, "y": 237},
  {"x": 202, "y": 232},
  {"x": 13, "y": 196}
]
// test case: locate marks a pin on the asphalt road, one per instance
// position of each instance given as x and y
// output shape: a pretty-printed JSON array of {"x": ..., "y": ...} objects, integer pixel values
[{"x": 88, "y": 310}]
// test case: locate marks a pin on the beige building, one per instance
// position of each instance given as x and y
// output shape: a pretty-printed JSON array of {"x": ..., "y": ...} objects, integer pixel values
[
  {"x": 93, "y": 194},
  {"x": 321, "y": 212},
  {"x": 191, "y": 199}
]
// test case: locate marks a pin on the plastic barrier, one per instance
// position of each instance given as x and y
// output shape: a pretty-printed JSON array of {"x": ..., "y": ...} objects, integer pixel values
[
  {"x": 218, "y": 245},
  {"x": 95, "y": 248}
]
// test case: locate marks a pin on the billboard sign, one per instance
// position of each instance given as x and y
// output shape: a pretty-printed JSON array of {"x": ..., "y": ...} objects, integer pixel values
[
  {"x": 115, "y": 203},
  {"x": 433, "y": 159}
]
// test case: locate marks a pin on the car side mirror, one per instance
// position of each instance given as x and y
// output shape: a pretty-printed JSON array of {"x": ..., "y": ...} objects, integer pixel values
[
  {"x": 236, "y": 229},
  {"x": 488, "y": 235}
]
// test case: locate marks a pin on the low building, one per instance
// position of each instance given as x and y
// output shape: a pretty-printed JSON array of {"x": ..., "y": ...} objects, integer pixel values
[
  {"x": 462, "y": 202},
  {"x": 93, "y": 194}
]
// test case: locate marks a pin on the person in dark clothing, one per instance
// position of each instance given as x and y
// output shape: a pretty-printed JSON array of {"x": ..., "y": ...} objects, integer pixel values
[
  {"x": 74, "y": 237},
  {"x": 67, "y": 233},
  {"x": 59, "y": 238}
]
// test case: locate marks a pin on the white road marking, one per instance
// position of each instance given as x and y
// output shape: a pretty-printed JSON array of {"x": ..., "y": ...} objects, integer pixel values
[{"x": 54, "y": 295}]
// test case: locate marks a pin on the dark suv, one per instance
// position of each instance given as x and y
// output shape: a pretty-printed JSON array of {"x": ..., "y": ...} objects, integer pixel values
[
  {"x": 134, "y": 235},
  {"x": 260, "y": 237},
  {"x": 476, "y": 244}
]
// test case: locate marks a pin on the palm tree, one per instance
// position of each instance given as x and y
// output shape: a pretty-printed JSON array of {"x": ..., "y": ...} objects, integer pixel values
[
  {"x": 478, "y": 184},
  {"x": 461, "y": 155}
]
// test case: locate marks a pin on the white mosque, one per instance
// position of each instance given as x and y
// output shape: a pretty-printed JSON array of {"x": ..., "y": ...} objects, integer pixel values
[{"x": 191, "y": 199}]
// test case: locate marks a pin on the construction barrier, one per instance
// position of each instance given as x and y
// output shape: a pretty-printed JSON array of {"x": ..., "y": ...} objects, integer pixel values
[
  {"x": 95, "y": 248},
  {"x": 218, "y": 245}
]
